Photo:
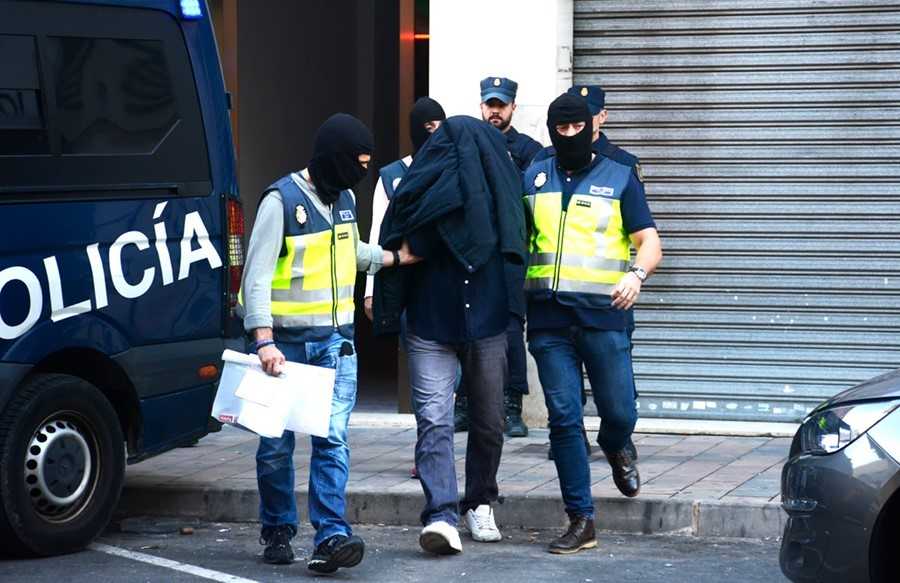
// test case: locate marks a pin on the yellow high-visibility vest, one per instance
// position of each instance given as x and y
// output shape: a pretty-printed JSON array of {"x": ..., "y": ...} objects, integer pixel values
[
  {"x": 582, "y": 251},
  {"x": 314, "y": 277}
]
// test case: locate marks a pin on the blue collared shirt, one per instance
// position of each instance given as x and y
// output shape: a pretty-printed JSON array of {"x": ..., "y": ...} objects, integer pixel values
[{"x": 447, "y": 303}]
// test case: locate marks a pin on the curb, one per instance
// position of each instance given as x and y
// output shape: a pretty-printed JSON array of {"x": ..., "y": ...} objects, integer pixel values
[
  {"x": 644, "y": 515},
  {"x": 660, "y": 426}
]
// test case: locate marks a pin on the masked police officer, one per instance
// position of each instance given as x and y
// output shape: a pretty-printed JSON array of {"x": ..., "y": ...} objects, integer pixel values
[
  {"x": 425, "y": 117},
  {"x": 297, "y": 303},
  {"x": 602, "y": 146},
  {"x": 587, "y": 210},
  {"x": 498, "y": 102},
  {"x": 596, "y": 100}
]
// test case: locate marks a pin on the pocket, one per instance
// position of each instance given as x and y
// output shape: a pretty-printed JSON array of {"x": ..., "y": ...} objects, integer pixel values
[{"x": 345, "y": 377}]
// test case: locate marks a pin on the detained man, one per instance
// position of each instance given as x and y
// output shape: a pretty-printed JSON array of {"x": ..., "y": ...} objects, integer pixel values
[{"x": 498, "y": 103}]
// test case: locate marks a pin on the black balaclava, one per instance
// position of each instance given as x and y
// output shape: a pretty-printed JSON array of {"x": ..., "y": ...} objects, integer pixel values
[
  {"x": 572, "y": 152},
  {"x": 335, "y": 162},
  {"x": 426, "y": 109}
]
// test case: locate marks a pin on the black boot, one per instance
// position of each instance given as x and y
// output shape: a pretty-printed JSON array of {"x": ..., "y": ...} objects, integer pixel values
[
  {"x": 514, "y": 426},
  {"x": 278, "y": 545},
  {"x": 461, "y": 414},
  {"x": 624, "y": 471},
  {"x": 579, "y": 536}
]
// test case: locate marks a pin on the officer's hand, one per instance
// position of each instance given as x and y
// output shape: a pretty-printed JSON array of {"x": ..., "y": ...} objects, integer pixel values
[
  {"x": 272, "y": 359},
  {"x": 367, "y": 306},
  {"x": 626, "y": 291},
  {"x": 406, "y": 256}
]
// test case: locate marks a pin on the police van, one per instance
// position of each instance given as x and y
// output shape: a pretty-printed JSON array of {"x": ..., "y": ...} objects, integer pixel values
[{"x": 120, "y": 252}]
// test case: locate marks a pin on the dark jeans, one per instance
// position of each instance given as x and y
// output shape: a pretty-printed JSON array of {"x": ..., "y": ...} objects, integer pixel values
[
  {"x": 607, "y": 356},
  {"x": 329, "y": 464},
  {"x": 515, "y": 355},
  {"x": 432, "y": 376},
  {"x": 516, "y": 358}
]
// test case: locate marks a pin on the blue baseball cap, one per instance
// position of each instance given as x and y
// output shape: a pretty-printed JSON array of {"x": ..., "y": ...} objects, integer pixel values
[
  {"x": 594, "y": 95},
  {"x": 498, "y": 88}
]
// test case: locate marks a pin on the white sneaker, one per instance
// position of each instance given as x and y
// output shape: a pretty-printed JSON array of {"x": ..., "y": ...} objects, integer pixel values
[
  {"x": 480, "y": 522},
  {"x": 440, "y": 538}
]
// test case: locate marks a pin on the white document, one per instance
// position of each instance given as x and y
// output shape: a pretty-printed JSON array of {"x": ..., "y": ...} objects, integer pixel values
[{"x": 297, "y": 400}]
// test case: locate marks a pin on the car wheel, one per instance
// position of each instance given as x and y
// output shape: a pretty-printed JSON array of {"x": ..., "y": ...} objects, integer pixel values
[{"x": 62, "y": 465}]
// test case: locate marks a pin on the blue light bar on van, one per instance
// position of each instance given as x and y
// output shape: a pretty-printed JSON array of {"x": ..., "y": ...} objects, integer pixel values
[{"x": 190, "y": 9}]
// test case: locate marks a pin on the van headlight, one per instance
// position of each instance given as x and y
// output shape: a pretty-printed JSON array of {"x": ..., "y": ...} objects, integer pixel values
[{"x": 829, "y": 430}]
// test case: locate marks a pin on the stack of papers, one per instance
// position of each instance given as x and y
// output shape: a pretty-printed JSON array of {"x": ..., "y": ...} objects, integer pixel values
[{"x": 297, "y": 400}]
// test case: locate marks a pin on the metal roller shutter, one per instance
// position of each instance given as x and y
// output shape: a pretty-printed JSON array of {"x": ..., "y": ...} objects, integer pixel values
[{"x": 769, "y": 135}]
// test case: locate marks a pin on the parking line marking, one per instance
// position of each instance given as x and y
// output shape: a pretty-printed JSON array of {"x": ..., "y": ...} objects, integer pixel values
[{"x": 169, "y": 564}]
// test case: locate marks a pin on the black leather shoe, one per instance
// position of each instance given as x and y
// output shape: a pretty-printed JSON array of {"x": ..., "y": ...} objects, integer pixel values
[
  {"x": 514, "y": 426},
  {"x": 278, "y": 545},
  {"x": 460, "y": 415},
  {"x": 632, "y": 450},
  {"x": 624, "y": 471},
  {"x": 579, "y": 536},
  {"x": 336, "y": 552}
]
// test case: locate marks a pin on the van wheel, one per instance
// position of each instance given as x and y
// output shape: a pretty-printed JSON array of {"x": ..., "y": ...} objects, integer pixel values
[{"x": 62, "y": 464}]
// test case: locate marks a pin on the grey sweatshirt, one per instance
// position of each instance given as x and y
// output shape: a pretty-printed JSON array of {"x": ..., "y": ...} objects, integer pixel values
[{"x": 265, "y": 245}]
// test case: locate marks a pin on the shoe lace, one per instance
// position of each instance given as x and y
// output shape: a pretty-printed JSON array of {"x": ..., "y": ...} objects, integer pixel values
[
  {"x": 280, "y": 535},
  {"x": 485, "y": 521},
  {"x": 327, "y": 545}
]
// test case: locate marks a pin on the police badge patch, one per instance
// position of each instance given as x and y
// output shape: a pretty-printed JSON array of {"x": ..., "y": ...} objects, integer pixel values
[
  {"x": 638, "y": 172},
  {"x": 540, "y": 180},
  {"x": 300, "y": 214}
]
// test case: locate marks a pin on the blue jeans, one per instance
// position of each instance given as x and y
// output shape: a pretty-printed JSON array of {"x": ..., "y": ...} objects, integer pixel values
[
  {"x": 607, "y": 356},
  {"x": 330, "y": 461}
]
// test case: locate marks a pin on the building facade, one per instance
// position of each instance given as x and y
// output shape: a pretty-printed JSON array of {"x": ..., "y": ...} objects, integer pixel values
[{"x": 769, "y": 135}]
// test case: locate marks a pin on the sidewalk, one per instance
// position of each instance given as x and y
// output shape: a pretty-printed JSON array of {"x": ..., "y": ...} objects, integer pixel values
[{"x": 702, "y": 485}]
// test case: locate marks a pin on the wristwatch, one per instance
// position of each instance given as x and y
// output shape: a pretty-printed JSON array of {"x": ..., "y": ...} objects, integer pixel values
[{"x": 639, "y": 271}]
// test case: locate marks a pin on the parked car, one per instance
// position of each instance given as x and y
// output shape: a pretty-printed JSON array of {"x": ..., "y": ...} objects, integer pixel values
[
  {"x": 841, "y": 488},
  {"x": 120, "y": 252}
]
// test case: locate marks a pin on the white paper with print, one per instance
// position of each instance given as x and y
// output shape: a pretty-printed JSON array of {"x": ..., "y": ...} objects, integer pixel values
[{"x": 297, "y": 400}]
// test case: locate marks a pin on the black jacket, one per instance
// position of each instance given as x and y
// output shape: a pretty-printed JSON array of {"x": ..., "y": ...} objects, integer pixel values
[{"x": 462, "y": 183}]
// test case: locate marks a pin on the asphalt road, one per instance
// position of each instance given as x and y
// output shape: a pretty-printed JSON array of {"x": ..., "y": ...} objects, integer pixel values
[{"x": 230, "y": 552}]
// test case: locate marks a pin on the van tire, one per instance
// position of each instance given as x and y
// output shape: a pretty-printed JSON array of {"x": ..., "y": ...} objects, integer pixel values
[{"x": 62, "y": 465}]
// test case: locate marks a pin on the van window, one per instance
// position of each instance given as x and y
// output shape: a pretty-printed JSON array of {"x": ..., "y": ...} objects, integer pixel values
[
  {"x": 113, "y": 96},
  {"x": 98, "y": 103},
  {"x": 22, "y": 126}
]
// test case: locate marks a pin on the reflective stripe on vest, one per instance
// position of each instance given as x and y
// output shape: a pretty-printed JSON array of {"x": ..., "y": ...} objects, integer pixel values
[
  {"x": 583, "y": 249},
  {"x": 313, "y": 283}
]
